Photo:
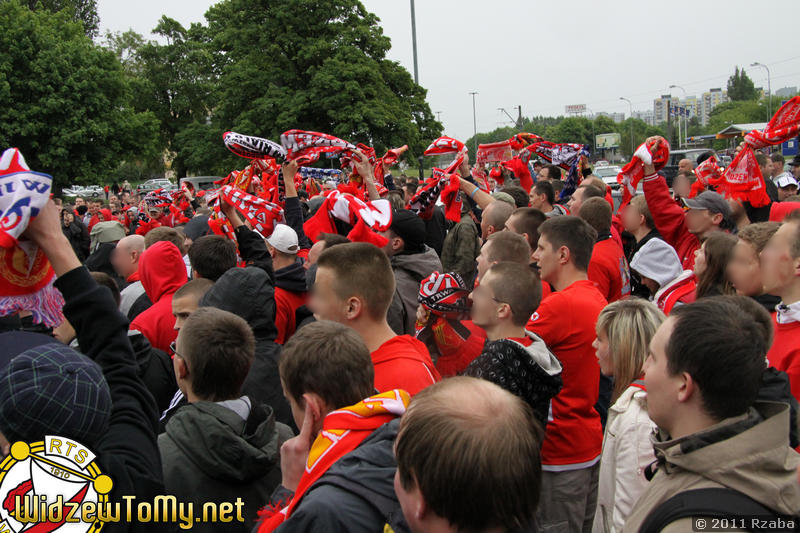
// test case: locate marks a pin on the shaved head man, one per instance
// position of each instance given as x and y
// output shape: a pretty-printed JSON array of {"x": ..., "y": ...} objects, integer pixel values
[
  {"x": 494, "y": 218},
  {"x": 125, "y": 260}
]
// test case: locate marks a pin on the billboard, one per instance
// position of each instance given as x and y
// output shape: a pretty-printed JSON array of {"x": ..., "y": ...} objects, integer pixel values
[
  {"x": 606, "y": 141},
  {"x": 578, "y": 108}
]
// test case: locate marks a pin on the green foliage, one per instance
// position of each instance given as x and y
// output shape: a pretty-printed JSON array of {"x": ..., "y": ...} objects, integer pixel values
[
  {"x": 64, "y": 101},
  {"x": 83, "y": 11},
  {"x": 740, "y": 86}
]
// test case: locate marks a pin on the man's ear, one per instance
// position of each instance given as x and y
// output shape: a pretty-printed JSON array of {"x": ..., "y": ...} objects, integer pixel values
[
  {"x": 504, "y": 311},
  {"x": 716, "y": 218},
  {"x": 181, "y": 368},
  {"x": 419, "y": 508},
  {"x": 687, "y": 388},
  {"x": 563, "y": 255},
  {"x": 354, "y": 307},
  {"x": 317, "y": 408}
]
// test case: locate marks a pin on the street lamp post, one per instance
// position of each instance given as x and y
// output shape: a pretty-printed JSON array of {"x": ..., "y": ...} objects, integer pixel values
[
  {"x": 680, "y": 118},
  {"x": 474, "y": 124},
  {"x": 630, "y": 104},
  {"x": 414, "y": 41},
  {"x": 594, "y": 136},
  {"x": 769, "y": 87}
]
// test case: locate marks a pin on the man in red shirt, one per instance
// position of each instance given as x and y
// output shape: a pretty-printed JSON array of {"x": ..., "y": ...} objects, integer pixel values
[
  {"x": 780, "y": 268},
  {"x": 354, "y": 286},
  {"x": 565, "y": 320},
  {"x": 608, "y": 268},
  {"x": 290, "y": 279},
  {"x": 707, "y": 212}
]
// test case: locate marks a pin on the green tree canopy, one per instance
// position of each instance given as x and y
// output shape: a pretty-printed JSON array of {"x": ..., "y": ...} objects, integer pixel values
[
  {"x": 83, "y": 11},
  {"x": 740, "y": 86},
  {"x": 64, "y": 101}
]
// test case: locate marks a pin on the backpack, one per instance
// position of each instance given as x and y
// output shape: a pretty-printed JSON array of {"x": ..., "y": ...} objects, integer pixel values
[{"x": 735, "y": 509}]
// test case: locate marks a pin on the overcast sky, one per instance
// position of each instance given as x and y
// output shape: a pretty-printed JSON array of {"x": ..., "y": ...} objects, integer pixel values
[{"x": 545, "y": 55}]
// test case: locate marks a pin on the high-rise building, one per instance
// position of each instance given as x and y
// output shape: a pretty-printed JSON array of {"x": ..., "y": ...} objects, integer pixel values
[
  {"x": 710, "y": 100},
  {"x": 646, "y": 116},
  {"x": 661, "y": 108},
  {"x": 616, "y": 117}
]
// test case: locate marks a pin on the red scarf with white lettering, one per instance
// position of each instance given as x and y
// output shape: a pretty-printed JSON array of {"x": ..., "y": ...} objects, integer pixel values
[
  {"x": 306, "y": 146},
  {"x": 342, "y": 432},
  {"x": 784, "y": 125},
  {"x": 366, "y": 218}
]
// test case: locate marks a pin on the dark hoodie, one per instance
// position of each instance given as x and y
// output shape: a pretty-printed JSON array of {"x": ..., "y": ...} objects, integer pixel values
[
  {"x": 211, "y": 454},
  {"x": 409, "y": 270},
  {"x": 356, "y": 494},
  {"x": 162, "y": 272},
  {"x": 248, "y": 293},
  {"x": 290, "y": 295}
]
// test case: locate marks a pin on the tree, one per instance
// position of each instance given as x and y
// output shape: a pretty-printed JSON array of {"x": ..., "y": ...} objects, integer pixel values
[
  {"x": 83, "y": 11},
  {"x": 280, "y": 68},
  {"x": 740, "y": 86},
  {"x": 64, "y": 101}
]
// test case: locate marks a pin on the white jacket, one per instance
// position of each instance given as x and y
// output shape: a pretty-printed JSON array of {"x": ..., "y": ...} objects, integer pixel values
[{"x": 627, "y": 451}]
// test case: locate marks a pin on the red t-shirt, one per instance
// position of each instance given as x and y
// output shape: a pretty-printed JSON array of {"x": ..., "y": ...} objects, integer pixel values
[
  {"x": 608, "y": 270},
  {"x": 403, "y": 362},
  {"x": 565, "y": 321},
  {"x": 785, "y": 353},
  {"x": 286, "y": 303}
]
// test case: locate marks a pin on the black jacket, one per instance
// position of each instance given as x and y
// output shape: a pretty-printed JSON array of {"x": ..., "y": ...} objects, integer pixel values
[
  {"x": 293, "y": 212},
  {"x": 531, "y": 372},
  {"x": 356, "y": 494},
  {"x": 249, "y": 293},
  {"x": 128, "y": 452},
  {"x": 210, "y": 454},
  {"x": 155, "y": 369},
  {"x": 436, "y": 230},
  {"x": 100, "y": 261},
  {"x": 78, "y": 237}
]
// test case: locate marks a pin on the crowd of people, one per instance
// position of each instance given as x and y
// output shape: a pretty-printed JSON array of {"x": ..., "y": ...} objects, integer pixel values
[{"x": 546, "y": 360}]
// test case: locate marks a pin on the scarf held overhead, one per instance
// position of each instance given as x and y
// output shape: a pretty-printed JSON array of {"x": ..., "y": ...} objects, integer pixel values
[
  {"x": 342, "y": 432},
  {"x": 651, "y": 151},
  {"x": 366, "y": 218},
  {"x": 307, "y": 146},
  {"x": 252, "y": 147},
  {"x": 26, "y": 277}
]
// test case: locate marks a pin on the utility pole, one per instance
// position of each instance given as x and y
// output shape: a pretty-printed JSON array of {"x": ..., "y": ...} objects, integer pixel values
[
  {"x": 630, "y": 104},
  {"x": 519, "y": 117},
  {"x": 474, "y": 124}
]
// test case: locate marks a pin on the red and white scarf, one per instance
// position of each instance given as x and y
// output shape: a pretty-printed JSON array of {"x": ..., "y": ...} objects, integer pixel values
[
  {"x": 261, "y": 214},
  {"x": 367, "y": 218},
  {"x": 448, "y": 145},
  {"x": 26, "y": 277},
  {"x": 493, "y": 152},
  {"x": 784, "y": 125},
  {"x": 448, "y": 186},
  {"x": 252, "y": 147},
  {"x": 306, "y": 146},
  {"x": 342, "y": 432},
  {"x": 633, "y": 172}
]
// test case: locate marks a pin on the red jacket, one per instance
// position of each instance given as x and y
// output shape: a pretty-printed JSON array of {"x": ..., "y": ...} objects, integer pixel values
[
  {"x": 403, "y": 362},
  {"x": 785, "y": 353},
  {"x": 670, "y": 220},
  {"x": 286, "y": 304},
  {"x": 565, "y": 321},
  {"x": 162, "y": 272},
  {"x": 608, "y": 270}
]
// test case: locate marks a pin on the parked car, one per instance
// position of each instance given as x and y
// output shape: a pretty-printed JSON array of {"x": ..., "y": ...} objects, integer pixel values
[
  {"x": 152, "y": 185},
  {"x": 671, "y": 169},
  {"x": 202, "y": 183},
  {"x": 91, "y": 191},
  {"x": 608, "y": 174}
]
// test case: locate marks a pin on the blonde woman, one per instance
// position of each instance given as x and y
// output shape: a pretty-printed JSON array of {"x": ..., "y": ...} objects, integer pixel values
[{"x": 624, "y": 329}]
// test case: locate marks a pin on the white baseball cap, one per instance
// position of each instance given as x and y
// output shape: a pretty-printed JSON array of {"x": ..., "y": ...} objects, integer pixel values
[
  {"x": 284, "y": 239},
  {"x": 785, "y": 180}
]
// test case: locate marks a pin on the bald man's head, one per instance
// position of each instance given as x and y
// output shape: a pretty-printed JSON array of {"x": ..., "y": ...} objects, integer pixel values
[
  {"x": 454, "y": 429},
  {"x": 125, "y": 257},
  {"x": 494, "y": 218}
]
